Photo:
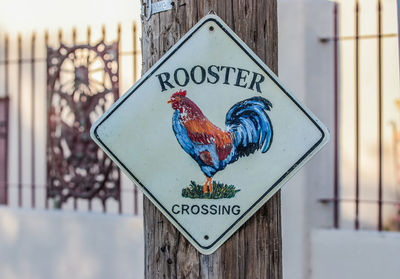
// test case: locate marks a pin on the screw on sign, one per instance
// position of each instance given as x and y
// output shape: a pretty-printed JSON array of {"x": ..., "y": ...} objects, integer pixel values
[{"x": 219, "y": 130}]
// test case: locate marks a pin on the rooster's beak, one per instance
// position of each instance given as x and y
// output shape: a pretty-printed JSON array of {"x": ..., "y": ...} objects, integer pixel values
[{"x": 169, "y": 101}]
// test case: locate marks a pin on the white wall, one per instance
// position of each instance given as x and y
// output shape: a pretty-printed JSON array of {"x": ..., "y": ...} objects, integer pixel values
[
  {"x": 347, "y": 254},
  {"x": 306, "y": 68},
  {"x": 47, "y": 244},
  {"x": 26, "y": 15}
]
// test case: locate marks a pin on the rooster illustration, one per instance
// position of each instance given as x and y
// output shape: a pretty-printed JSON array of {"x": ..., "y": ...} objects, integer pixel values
[{"x": 248, "y": 128}]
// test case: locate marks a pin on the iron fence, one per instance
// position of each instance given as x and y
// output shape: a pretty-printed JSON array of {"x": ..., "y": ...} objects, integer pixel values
[
  {"x": 31, "y": 121},
  {"x": 381, "y": 194}
]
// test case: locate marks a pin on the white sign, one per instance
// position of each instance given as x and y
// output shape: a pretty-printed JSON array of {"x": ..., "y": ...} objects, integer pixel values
[{"x": 209, "y": 134}]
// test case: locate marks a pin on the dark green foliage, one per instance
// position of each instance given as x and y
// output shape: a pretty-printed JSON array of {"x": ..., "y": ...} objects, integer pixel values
[{"x": 220, "y": 191}]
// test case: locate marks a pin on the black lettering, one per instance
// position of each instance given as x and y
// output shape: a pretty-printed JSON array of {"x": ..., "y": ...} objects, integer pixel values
[
  {"x": 213, "y": 74},
  {"x": 185, "y": 208},
  {"x": 165, "y": 81},
  {"x": 226, "y": 209},
  {"x": 173, "y": 209},
  {"x": 236, "y": 210},
  {"x": 241, "y": 77},
  {"x": 186, "y": 77},
  {"x": 203, "y": 74},
  {"x": 204, "y": 209},
  {"x": 227, "y": 72},
  {"x": 213, "y": 209},
  {"x": 256, "y": 82},
  {"x": 197, "y": 209}
]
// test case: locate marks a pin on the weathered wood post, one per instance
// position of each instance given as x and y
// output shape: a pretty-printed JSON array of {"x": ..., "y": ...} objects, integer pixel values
[{"x": 255, "y": 250}]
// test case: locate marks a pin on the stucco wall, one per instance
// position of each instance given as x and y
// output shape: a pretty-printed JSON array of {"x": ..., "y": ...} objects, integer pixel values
[
  {"x": 47, "y": 245},
  {"x": 348, "y": 254},
  {"x": 306, "y": 68}
]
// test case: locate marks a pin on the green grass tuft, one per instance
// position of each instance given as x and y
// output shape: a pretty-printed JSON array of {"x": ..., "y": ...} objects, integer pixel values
[{"x": 220, "y": 191}]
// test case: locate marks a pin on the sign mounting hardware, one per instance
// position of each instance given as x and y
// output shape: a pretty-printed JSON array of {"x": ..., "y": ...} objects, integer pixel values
[
  {"x": 209, "y": 134},
  {"x": 149, "y": 8}
]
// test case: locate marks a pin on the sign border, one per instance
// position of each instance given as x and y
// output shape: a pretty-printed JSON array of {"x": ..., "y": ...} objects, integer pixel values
[{"x": 271, "y": 190}]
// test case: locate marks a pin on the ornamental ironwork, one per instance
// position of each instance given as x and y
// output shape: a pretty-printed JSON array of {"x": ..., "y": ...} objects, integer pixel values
[{"x": 82, "y": 83}]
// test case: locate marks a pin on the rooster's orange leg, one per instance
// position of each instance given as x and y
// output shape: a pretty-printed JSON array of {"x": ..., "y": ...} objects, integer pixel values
[
  {"x": 207, "y": 186},
  {"x": 211, "y": 186}
]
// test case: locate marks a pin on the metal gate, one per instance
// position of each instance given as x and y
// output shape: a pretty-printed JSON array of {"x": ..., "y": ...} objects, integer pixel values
[{"x": 57, "y": 88}]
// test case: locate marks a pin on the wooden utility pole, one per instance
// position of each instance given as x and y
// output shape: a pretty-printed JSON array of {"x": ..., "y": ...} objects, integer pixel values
[{"x": 255, "y": 250}]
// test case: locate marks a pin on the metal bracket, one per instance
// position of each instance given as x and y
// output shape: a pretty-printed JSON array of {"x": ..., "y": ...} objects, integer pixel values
[{"x": 149, "y": 8}]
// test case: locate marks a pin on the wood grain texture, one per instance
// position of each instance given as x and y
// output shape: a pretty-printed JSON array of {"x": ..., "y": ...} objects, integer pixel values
[{"x": 255, "y": 250}]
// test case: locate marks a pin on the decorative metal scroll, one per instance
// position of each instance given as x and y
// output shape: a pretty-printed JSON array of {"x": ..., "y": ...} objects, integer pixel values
[{"x": 82, "y": 83}]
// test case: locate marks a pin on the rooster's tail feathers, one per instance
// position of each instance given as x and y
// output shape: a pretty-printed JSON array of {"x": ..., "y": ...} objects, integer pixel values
[{"x": 250, "y": 125}]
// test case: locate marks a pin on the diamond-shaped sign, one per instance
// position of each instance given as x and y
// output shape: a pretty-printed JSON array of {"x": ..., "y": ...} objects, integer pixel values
[{"x": 209, "y": 134}]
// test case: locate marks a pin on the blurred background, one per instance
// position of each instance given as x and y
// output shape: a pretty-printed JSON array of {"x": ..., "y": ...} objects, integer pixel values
[{"x": 67, "y": 212}]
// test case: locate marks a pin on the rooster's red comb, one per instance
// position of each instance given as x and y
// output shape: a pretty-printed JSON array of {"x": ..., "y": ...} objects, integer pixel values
[{"x": 181, "y": 93}]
